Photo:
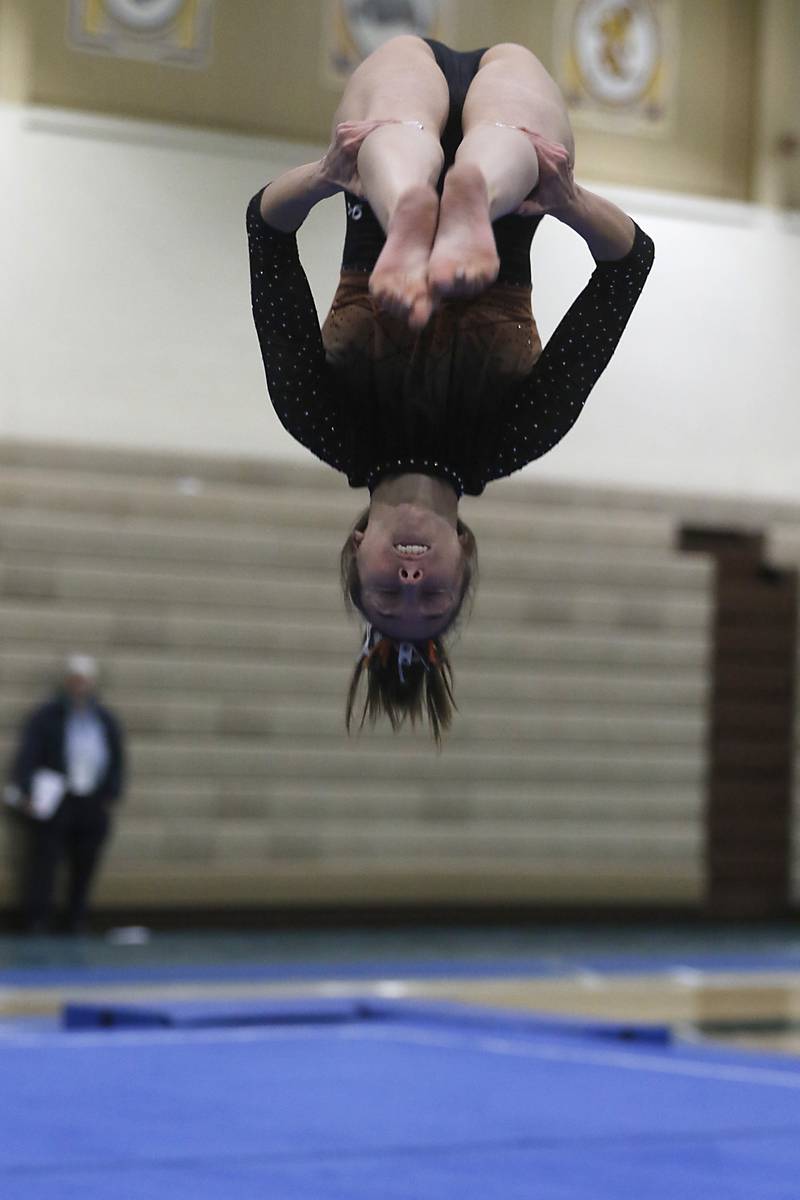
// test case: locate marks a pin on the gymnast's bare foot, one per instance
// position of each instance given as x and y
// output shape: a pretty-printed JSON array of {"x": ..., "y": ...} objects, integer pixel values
[
  {"x": 399, "y": 281},
  {"x": 464, "y": 257}
]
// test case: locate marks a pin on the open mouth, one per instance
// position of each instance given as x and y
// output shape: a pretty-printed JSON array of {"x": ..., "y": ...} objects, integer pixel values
[{"x": 411, "y": 549}]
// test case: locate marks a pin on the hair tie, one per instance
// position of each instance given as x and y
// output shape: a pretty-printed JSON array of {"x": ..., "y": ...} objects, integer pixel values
[
  {"x": 405, "y": 657},
  {"x": 375, "y": 641}
]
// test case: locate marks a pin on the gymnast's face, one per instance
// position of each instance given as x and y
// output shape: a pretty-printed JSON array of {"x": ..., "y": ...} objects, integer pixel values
[{"x": 411, "y": 568}]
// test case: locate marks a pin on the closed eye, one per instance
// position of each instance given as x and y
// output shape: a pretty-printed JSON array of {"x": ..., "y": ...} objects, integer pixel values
[
  {"x": 392, "y": 616},
  {"x": 442, "y": 595}
]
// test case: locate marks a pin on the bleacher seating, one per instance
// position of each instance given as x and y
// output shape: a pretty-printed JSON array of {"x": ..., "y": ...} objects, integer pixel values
[{"x": 208, "y": 590}]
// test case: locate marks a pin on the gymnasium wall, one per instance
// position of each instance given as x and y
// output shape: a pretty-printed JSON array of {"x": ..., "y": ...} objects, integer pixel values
[
  {"x": 734, "y": 82},
  {"x": 125, "y": 311}
]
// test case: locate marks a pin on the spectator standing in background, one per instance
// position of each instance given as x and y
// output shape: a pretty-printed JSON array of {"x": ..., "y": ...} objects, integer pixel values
[{"x": 67, "y": 772}]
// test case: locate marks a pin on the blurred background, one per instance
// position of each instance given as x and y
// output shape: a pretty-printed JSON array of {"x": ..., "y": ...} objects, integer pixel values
[{"x": 627, "y": 733}]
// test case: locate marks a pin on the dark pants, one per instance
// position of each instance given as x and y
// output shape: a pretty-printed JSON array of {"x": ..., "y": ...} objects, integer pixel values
[{"x": 75, "y": 834}]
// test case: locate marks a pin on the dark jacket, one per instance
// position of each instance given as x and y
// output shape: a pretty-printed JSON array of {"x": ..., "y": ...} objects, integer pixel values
[{"x": 42, "y": 745}]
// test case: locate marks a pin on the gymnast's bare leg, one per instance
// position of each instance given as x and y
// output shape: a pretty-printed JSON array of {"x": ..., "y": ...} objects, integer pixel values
[
  {"x": 399, "y": 165},
  {"x": 496, "y": 165}
]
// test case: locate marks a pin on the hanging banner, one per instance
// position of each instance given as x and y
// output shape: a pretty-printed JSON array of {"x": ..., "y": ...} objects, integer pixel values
[
  {"x": 616, "y": 63},
  {"x": 357, "y": 27},
  {"x": 171, "y": 32}
]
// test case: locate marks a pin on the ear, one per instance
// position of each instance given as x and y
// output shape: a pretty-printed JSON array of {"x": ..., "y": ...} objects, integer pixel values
[
  {"x": 463, "y": 539},
  {"x": 358, "y": 537}
]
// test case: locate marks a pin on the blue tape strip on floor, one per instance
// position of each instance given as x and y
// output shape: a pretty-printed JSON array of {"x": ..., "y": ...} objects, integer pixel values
[
  {"x": 191, "y": 1014},
  {"x": 516, "y": 966},
  {"x": 475, "y": 1017},
  {"x": 231, "y": 1014}
]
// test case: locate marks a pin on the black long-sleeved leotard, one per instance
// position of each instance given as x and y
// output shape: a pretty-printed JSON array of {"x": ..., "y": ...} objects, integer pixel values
[{"x": 406, "y": 419}]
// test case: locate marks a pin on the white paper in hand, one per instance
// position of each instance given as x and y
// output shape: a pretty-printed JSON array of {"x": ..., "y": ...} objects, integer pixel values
[{"x": 47, "y": 792}]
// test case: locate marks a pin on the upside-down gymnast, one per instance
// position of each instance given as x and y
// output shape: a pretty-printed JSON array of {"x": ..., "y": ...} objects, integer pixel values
[{"x": 428, "y": 379}]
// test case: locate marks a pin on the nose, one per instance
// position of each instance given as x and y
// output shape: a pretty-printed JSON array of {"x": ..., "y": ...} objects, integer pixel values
[{"x": 410, "y": 574}]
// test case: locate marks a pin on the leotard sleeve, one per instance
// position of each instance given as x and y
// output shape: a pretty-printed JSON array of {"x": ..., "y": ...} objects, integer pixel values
[
  {"x": 542, "y": 408},
  {"x": 302, "y": 389}
]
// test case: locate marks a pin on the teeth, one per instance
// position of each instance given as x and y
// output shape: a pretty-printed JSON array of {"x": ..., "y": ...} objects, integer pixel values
[{"x": 410, "y": 548}]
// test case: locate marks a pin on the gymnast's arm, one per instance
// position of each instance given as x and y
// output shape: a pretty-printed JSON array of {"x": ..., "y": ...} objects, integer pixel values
[
  {"x": 288, "y": 200},
  {"x": 541, "y": 409},
  {"x": 607, "y": 230},
  {"x": 303, "y": 392}
]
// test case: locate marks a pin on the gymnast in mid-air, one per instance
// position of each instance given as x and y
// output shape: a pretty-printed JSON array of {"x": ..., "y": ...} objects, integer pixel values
[{"x": 428, "y": 379}]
